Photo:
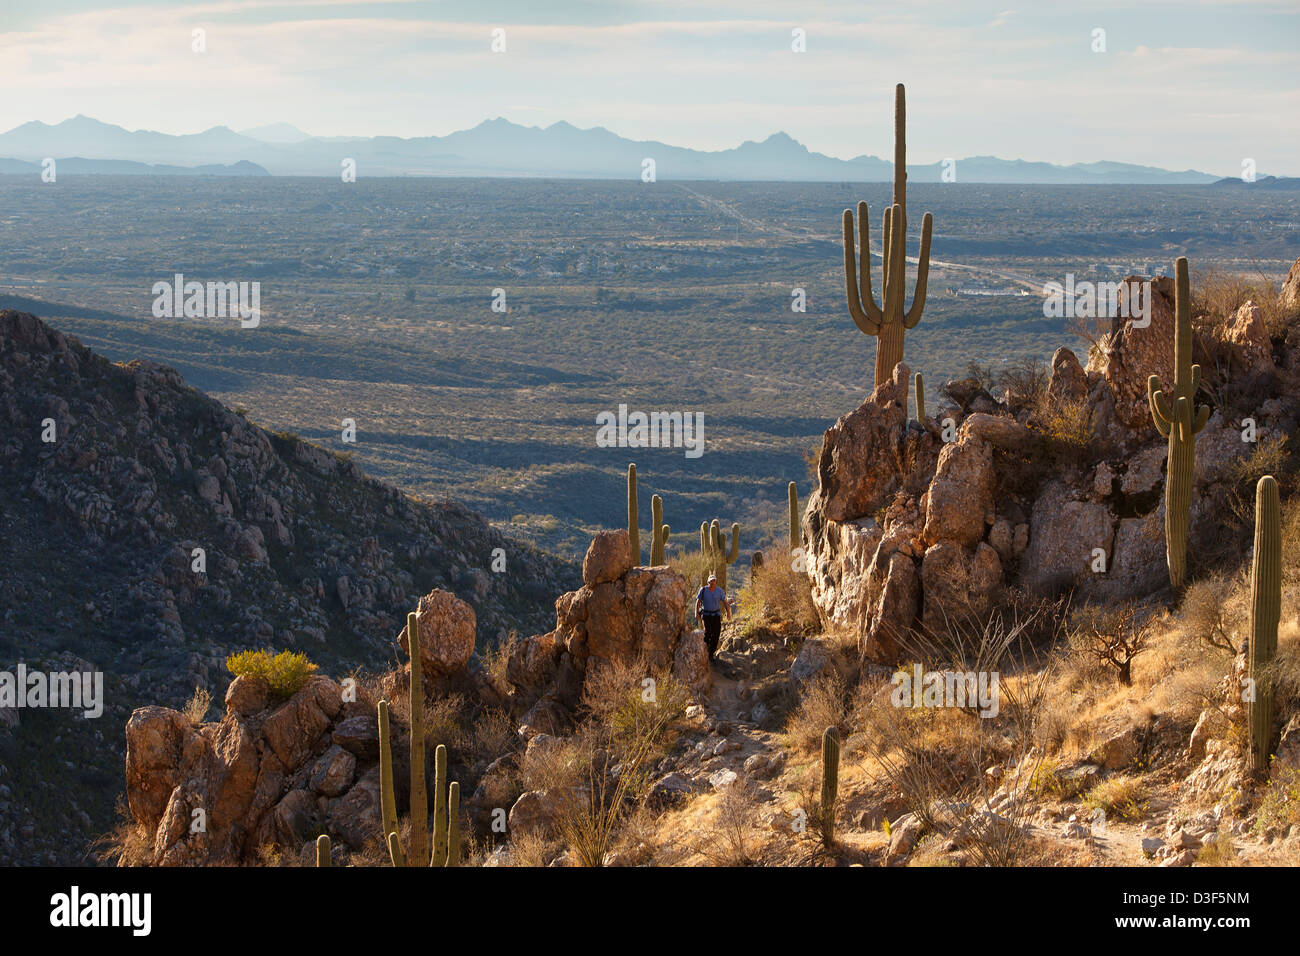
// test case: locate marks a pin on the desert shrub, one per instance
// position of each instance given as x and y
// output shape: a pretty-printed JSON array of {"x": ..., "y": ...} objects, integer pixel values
[
  {"x": 821, "y": 705},
  {"x": 1023, "y": 383},
  {"x": 128, "y": 843},
  {"x": 1220, "y": 851},
  {"x": 1217, "y": 294},
  {"x": 285, "y": 673},
  {"x": 1212, "y": 613},
  {"x": 777, "y": 592},
  {"x": 729, "y": 839},
  {"x": 198, "y": 706},
  {"x": 496, "y": 657},
  {"x": 1065, "y": 428},
  {"x": 1280, "y": 806},
  {"x": 1111, "y": 634},
  {"x": 691, "y": 565},
  {"x": 1120, "y": 796}
]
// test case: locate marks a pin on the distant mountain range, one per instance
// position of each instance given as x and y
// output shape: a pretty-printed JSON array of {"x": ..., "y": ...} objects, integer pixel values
[{"x": 500, "y": 148}]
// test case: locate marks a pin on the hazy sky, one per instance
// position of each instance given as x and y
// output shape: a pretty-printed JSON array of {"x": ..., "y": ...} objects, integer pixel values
[{"x": 1182, "y": 84}]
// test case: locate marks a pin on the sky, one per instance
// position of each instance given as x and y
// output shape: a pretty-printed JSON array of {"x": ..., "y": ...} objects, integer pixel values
[{"x": 1178, "y": 85}]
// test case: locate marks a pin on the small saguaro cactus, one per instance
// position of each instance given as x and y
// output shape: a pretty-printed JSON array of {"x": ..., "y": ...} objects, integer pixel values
[
  {"x": 713, "y": 545},
  {"x": 888, "y": 321},
  {"x": 323, "y": 850},
  {"x": 1265, "y": 613},
  {"x": 796, "y": 539},
  {"x": 659, "y": 533},
  {"x": 633, "y": 515},
  {"x": 1176, "y": 419},
  {"x": 830, "y": 781},
  {"x": 920, "y": 398},
  {"x": 446, "y": 800}
]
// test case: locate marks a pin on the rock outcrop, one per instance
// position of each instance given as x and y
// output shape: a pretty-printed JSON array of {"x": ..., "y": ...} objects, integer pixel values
[{"x": 907, "y": 531}]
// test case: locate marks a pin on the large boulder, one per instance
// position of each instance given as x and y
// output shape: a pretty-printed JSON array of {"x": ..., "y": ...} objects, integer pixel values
[
  {"x": 1131, "y": 353},
  {"x": 1063, "y": 536},
  {"x": 1069, "y": 382},
  {"x": 859, "y": 468},
  {"x": 960, "y": 498},
  {"x": 447, "y": 629},
  {"x": 608, "y": 557}
]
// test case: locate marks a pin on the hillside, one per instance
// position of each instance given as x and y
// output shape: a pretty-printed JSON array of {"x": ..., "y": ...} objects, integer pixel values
[{"x": 102, "y": 531}]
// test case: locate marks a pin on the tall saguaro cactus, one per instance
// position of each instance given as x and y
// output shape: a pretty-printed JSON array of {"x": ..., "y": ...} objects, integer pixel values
[
  {"x": 920, "y": 399},
  {"x": 713, "y": 545},
  {"x": 446, "y": 805},
  {"x": 888, "y": 320},
  {"x": 1176, "y": 420},
  {"x": 1265, "y": 613},
  {"x": 633, "y": 515},
  {"x": 796, "y": 539},
  {"x": 659, "y": 533},
  {"x": 830, "y": 781}
]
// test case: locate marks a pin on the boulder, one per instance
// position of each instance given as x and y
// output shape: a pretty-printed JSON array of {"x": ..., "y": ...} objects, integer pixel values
[
  {"x": 537, "y": 811},
  {"x": 1062, "y": 536},
  {"x": 1069, "y": 382},
  {"x": 897, "y": 588},
  {"x": 1290, "y": 295},
  {"x": 859, "y": 466},
  {"x": 447, "y": 631},
  {"x": 1129, "y": 354},
  {"x": 608, "y": 558},
  {"x": 961, "y": 494},
  {"x": 1252, "y": 349},
  {"x": 691, "y": 661},
  {"x": 247, "y": 695}
]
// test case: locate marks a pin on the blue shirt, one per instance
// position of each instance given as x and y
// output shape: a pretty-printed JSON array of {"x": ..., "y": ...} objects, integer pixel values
[{"x": 712, "y": 600}]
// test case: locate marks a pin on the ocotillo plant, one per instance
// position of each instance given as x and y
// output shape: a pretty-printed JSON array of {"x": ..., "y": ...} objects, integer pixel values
[
  {"x": 659, "y": 533},
  {"x": 446, "y": 801},
  {"x": 920, "y": 398},
  {"x": 713, "y": 545},
  {"x": 633, "y": 515},
  {"x": 1175, "y": 419},
  {"x": 1265, "y": 612},
  {"x": 888, "y": 321},
  {"x": 323, "y": 850},
  {"x": 796, "y": 539},
  {"x": 830, "y": 781}
]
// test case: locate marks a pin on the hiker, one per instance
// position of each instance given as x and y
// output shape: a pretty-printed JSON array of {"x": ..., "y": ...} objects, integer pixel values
[{"x": 709, "y": 602}]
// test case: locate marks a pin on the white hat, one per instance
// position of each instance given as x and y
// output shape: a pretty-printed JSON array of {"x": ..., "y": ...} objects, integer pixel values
[{"x": 713, "y": 577}]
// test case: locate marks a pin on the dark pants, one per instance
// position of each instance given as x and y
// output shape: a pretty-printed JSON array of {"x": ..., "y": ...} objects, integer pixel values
[{"x": 712, "y": 632}]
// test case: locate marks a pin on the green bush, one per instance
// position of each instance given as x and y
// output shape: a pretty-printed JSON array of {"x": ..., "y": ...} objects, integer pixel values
[{"x": 285, "y": 673}]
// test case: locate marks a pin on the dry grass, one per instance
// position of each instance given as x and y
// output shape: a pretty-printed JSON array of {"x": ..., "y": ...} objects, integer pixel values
[
  {"x": 822, "y": 705},
  {"x": 1120, "y": 797},
  {"x": 691, "y": 565},
  {"x": 127, "y": 844},
  {"x": 777, "y": 592},
  {"x": 1216, "y": 296},
  {"x": 198, "y": 706}
]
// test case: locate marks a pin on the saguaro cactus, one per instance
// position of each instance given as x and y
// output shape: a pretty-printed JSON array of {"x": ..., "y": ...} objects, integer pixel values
[
  {"x": 323, "y": 851},
  {"x": 796, "y": 539},
  {"x": 1175, "y": 419},
  {"x": 1265, "y": 612},
  {"x": 446, "y": 801},
  {"x": 888, "y": 320},
  {"x": 659, "y": 533},
  {"x": 633, "y": 515},
  {"x": 830, "y": 781},
  {"x": 713, "y": 545},
  {"x": 920, "y": 398}
]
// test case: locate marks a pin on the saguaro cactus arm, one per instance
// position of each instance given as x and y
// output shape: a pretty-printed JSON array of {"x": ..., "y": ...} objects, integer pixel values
[
  {"x": 862, "y": 303},
  {"x": 913, "y": 314}
]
